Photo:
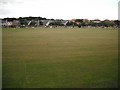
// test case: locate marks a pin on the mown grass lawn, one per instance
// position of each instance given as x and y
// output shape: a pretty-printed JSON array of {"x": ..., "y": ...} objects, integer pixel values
[{"x": 60, "y": 58}]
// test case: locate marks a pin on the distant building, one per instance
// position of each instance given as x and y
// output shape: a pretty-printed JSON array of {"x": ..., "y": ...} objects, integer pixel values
[
  {"x": 86, "y": 20},
  {"x": 39, "y": 21},
  {"x": 96, "y": 21},
  {"x": 14, "y": 23},
  {"x": 46, "y": 22}
]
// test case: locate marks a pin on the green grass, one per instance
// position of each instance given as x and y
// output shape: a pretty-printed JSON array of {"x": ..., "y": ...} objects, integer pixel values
[{"x": 60, "y": 58}]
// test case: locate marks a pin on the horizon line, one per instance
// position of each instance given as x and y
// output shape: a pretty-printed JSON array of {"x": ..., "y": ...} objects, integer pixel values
[{"x": 59, "y": 18}]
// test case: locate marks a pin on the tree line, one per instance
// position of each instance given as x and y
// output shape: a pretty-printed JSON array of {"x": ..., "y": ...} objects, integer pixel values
[{"x": 59, "y": 22}]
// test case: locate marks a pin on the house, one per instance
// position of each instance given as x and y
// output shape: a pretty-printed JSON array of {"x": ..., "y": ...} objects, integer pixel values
[
  {"x": 64, "y": 22},
  {"x": 10, "y": 23},
  {"x": 46, "y": 23},
  {"x": 96, "y": 21},
  {"x": 6, "y": 23}
]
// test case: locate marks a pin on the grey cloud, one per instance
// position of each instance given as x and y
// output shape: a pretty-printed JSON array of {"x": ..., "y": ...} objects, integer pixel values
[
  {"x": 4, "y": 12},
  {"x": 3, "y": 5},
  {"x": 10, "y": 1},
  {"x": 6, "y": 1},
  {"x": 3, "y": 2}
]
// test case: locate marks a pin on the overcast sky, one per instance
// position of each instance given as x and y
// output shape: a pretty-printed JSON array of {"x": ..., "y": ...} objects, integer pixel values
[{"x": 60, "y": 9}]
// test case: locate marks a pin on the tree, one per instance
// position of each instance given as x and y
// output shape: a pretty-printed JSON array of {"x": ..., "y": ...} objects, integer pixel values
[
  {"x": 33, "y": 23},
  {"x": 117, "y": 23},
  {"x": 107, "y": 23},
  {"x": 23, "y": 21},
  {"x": 79, "y": 20}
]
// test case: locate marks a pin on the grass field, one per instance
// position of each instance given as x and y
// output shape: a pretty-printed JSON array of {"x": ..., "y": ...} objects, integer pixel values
[{"x": 60, "y": 58}]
